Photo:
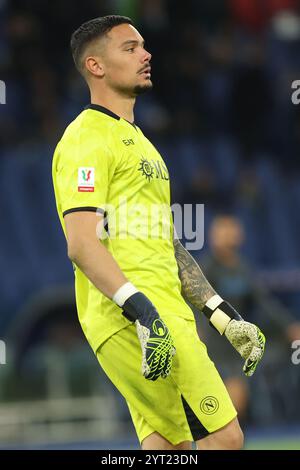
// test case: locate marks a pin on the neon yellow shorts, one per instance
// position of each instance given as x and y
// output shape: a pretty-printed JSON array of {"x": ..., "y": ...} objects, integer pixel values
[{"x": 186, "y": 406}]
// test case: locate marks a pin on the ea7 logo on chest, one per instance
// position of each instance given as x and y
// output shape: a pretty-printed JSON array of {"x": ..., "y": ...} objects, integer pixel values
[
  {"x": 128, "y": 142},
  {"x": 86, "y": 179}
]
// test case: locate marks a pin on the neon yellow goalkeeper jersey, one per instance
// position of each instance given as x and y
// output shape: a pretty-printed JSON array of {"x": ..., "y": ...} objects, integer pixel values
[{"x": 105, "y": 163}]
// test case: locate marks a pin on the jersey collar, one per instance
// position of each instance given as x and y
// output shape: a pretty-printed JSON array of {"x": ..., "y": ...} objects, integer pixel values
[
  {"x": 101, "y": 109},
  {"x": 104, "y": 110}
]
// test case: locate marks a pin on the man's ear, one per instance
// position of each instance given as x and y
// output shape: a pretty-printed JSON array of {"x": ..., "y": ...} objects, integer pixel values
[{"x": 95, "y": 66}]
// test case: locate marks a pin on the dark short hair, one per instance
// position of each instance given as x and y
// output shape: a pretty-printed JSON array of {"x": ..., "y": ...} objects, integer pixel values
[{"x": 91, "y": 30}]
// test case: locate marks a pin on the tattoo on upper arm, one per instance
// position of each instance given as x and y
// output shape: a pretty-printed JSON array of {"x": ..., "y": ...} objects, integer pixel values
[{"x": 195, "y": 287}]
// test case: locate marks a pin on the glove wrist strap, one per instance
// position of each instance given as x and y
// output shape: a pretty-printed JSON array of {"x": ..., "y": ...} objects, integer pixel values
[
  {"x": 123, "y": 293},
  {"x": 220, "y": 313},
  {"x": 139, "y": 307}
]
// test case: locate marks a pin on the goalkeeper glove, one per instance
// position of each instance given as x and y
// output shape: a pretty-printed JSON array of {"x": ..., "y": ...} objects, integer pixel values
[
  {"x": 155, "y": 339},
  {"x": 245, "y": 337}
]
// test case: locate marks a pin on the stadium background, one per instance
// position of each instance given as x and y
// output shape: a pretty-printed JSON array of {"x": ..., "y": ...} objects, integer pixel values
[{"x": 222, "y": 116}]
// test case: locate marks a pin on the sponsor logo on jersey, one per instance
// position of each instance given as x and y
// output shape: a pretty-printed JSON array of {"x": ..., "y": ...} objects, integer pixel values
[
  {"x": 86, "y": 179},
  {"x": 153, "y": 169}
]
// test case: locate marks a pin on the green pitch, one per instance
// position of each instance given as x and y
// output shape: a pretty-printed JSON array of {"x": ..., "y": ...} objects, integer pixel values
[{"x": 273, "y": 444}]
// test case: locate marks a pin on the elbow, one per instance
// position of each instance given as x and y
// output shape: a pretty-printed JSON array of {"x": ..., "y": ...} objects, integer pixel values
[
  {"x": 81, "y": 249},
  {"x": 73, "y": 252}
]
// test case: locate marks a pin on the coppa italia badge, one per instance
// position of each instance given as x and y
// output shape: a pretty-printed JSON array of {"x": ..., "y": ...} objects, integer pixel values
[{"x": 86, "y": 179}]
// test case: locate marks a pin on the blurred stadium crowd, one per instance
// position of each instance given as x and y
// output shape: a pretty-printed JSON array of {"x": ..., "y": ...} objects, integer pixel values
[{"x": 221, "y": 114}]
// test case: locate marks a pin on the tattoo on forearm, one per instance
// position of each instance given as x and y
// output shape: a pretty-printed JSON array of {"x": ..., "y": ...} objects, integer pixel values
[{"x": 195, "y": 287}]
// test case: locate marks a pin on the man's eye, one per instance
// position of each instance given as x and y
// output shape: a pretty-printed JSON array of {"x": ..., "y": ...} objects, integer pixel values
[{"x": 131, "y": 49}]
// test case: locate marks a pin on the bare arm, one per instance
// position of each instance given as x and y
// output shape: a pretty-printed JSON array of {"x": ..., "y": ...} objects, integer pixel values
[
  {"x": 90, "y": 255},
  {"x": 95, "y": 261},
  {"x": 195, "y": 287},
  {"x": 245, "y": 337}
]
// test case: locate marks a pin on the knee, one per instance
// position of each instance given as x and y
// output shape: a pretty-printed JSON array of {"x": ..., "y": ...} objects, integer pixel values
[
  {"x": 230, "y": 437},
  {"x": 157, "y": 442}
]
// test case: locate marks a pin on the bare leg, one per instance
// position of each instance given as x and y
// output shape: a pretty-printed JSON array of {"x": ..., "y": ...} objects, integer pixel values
[
  {"x": 230, "y": 437},
  {"x": 156, "y": 442}
]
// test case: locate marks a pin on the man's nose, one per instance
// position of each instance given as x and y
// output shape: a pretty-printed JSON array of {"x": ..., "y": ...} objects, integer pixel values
[{"x": 147, "y": 56}]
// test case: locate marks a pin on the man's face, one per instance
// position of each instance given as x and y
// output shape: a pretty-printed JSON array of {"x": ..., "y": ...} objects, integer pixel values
[
  {"x": 126, "y": 62},
  {"x": 226, "y": 234}
]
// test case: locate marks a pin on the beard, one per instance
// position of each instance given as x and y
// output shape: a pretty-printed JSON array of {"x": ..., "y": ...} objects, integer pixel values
[
  {"x": 134, "y": 91},
  {"x": 140, "y": 89}
]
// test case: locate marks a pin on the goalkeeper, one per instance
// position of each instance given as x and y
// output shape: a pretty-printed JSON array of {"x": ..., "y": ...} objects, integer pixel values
[{"x": 132, "y": 280}]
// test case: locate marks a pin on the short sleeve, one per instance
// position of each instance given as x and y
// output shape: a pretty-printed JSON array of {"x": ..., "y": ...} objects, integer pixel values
[{"x": 82, "y": 170}]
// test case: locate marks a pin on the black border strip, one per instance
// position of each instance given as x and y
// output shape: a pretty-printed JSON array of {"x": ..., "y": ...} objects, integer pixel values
[
  {"x": 197, "y": 429},
  {"x": 83, "y": 209},
  {"x": 97, "y": 107},
  {"x": 81, "y": 456}
]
